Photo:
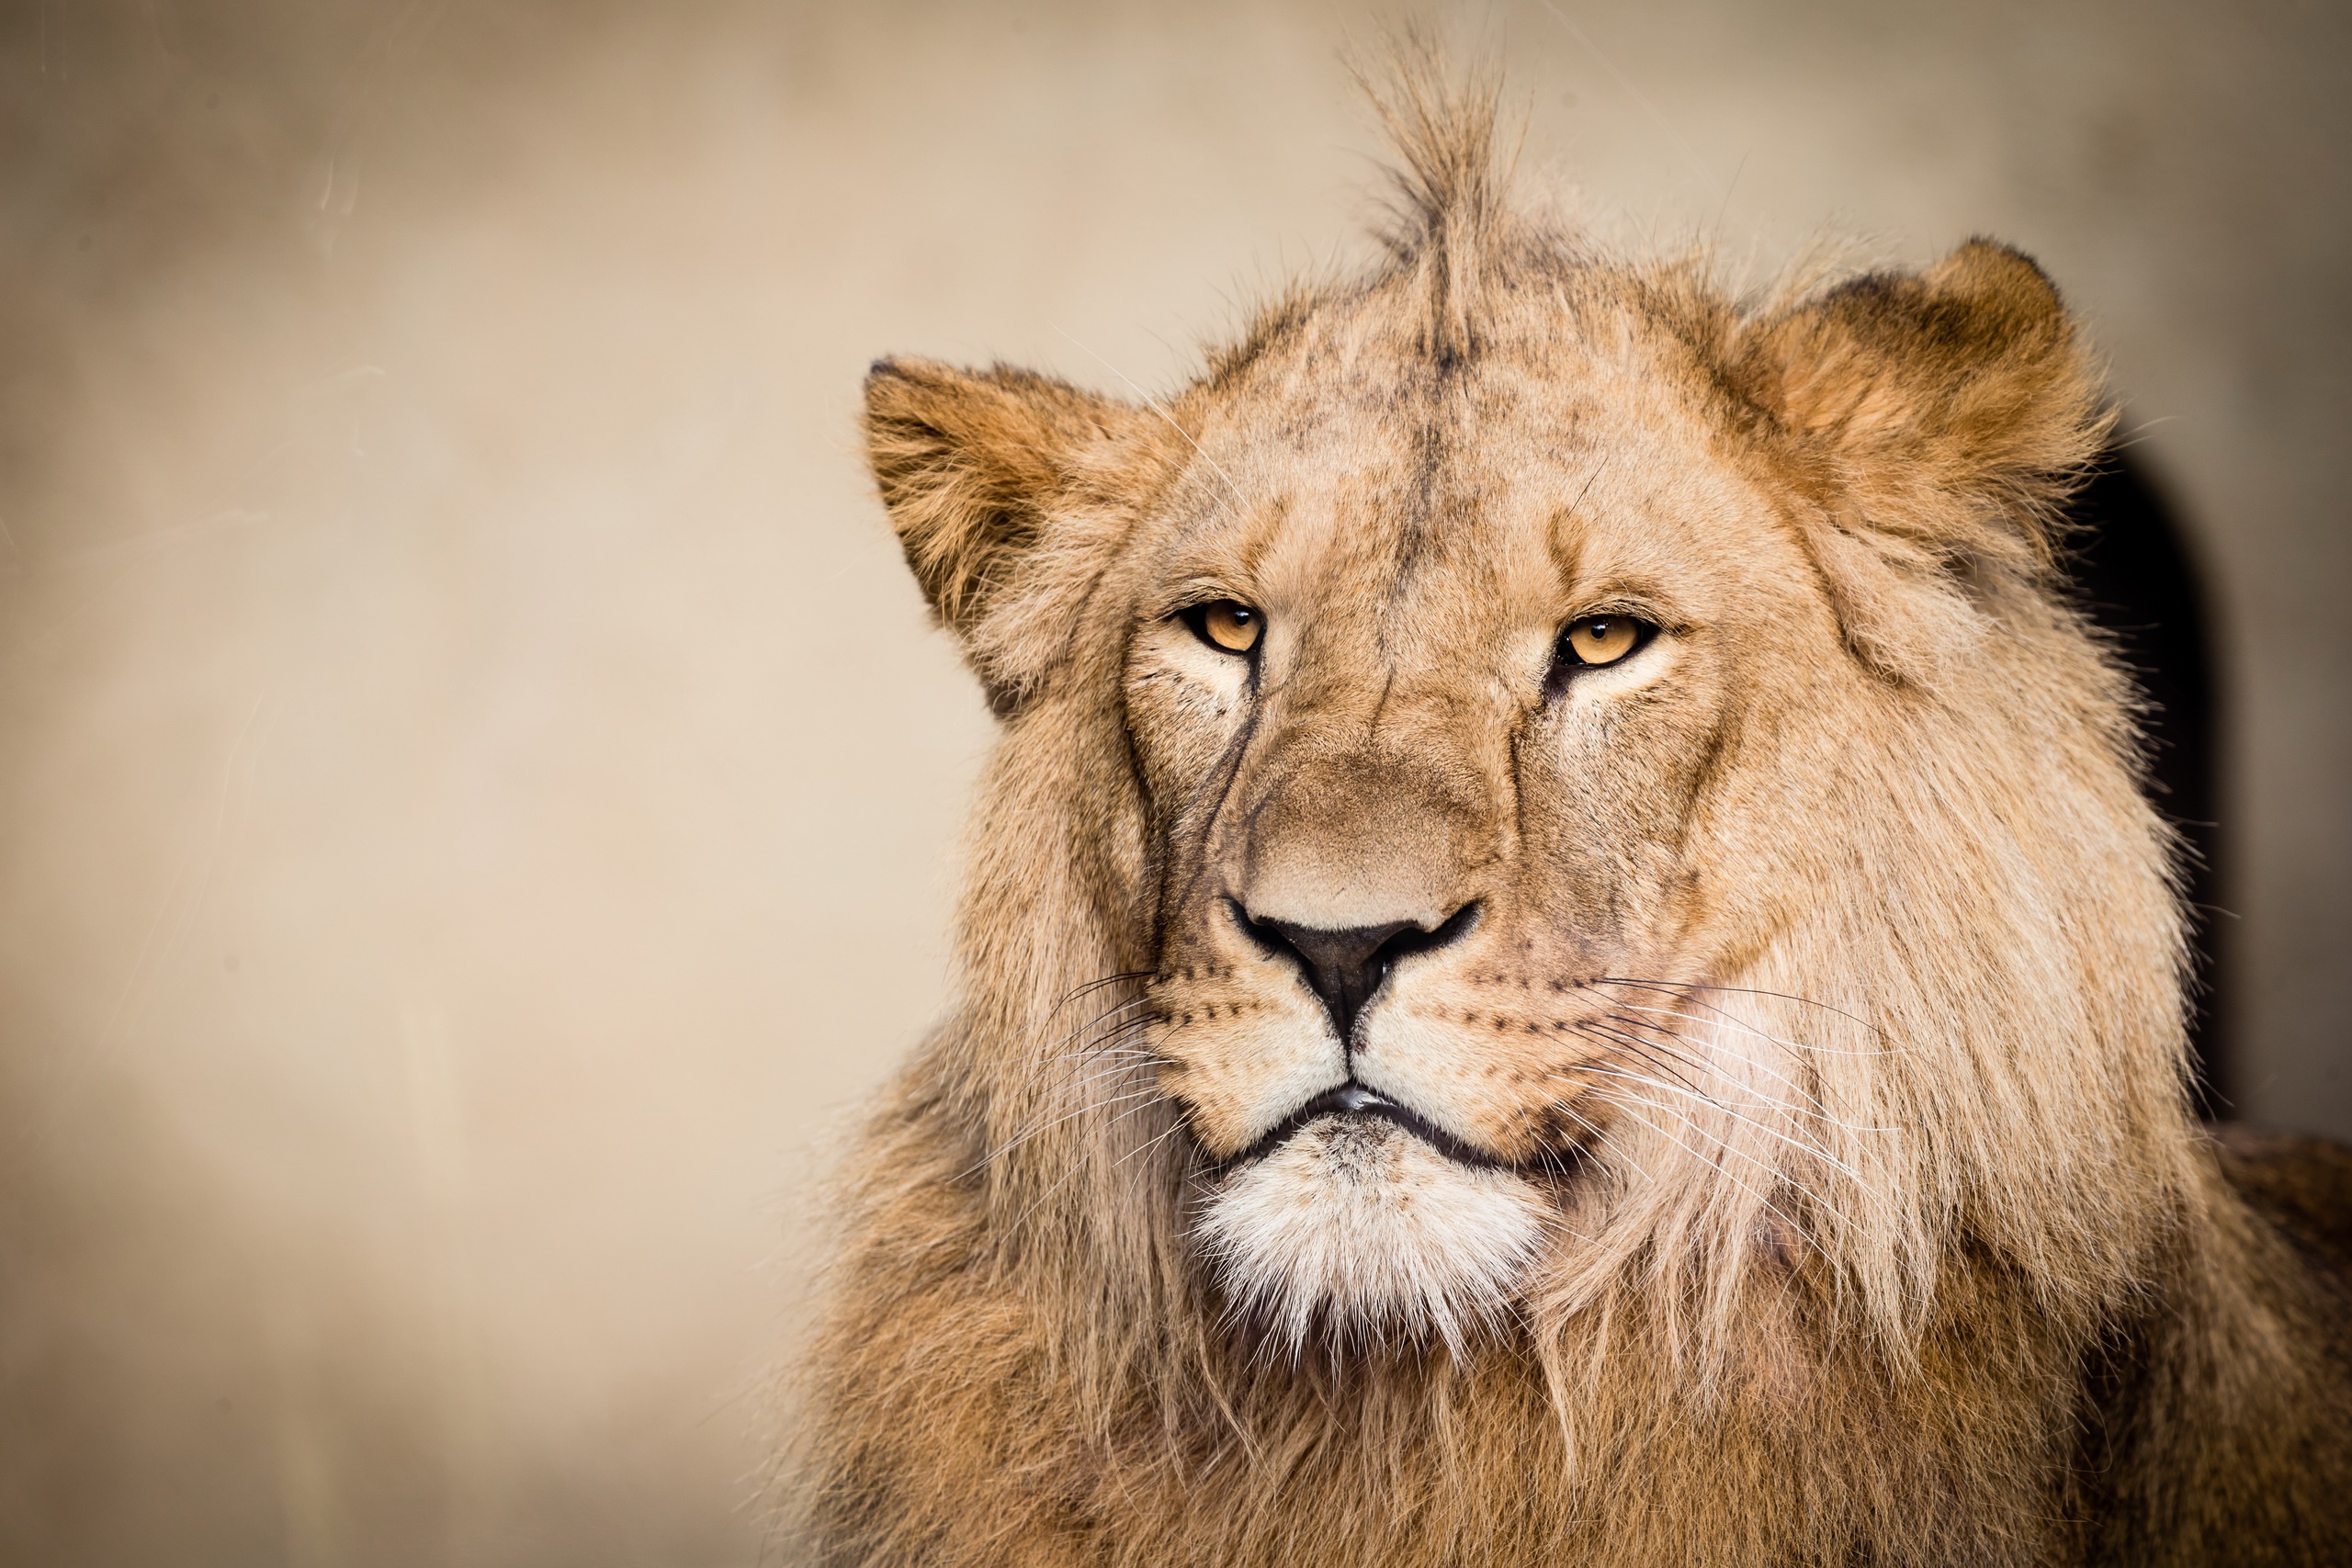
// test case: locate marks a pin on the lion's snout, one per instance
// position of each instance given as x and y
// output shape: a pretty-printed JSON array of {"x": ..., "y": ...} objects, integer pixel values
[
  {"x": 1346, "y": 969},
  {"x": 1347, "y": 836}
]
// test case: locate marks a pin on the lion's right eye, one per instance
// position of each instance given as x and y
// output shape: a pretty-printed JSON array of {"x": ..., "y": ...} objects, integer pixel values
[{"x": 1226, "y": 625}]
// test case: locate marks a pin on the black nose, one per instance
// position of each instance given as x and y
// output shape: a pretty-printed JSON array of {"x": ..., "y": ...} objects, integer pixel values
[{"x": 1346, "y": 967}]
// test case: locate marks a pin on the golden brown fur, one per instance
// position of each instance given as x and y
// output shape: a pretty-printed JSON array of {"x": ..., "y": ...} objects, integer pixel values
[{"x": 1820, "y": 987}]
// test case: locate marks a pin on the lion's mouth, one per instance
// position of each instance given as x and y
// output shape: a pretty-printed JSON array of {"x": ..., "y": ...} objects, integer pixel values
[{"x": 1353, "y": 1101}]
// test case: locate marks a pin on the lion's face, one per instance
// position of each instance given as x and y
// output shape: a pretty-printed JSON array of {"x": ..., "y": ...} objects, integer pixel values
[
  {"x": 1576, "y": 772},
  {"x": 1425, "y": 686}
]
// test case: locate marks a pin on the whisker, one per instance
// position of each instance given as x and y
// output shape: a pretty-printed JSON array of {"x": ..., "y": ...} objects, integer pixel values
[
  {"x": 1886, "y": 1049},
  {"x": 1632, "y": 1043},
  {"x": 1701, "y": 1054},
  {"x": 1095, "y": 1053},
  {"x": 1112, "y": 1036},
  {"x": 1628, "y": 1106},
  {"x": 1809, "y": 1145},
  {"x": 1075, "y": 1167},
  {"x": 1090, "y": 986},
  {"x": 1813, "y": 1149},
  {"x": 1110, "y": 1072},
  {"x": 1756, "y": 1097},
  {"x": 1623, "y": 1153},
  {"x": 1679, "y": 986},
  {"x": 1096, "y": 1022},
  {"x": 991, "y": 1157},
  {"x": 1756, "y": 1062},
  {"x": 1053, "y": 1078},
  {"x": 1146, "y": 1148},
  {"x": 1117, "y": 1042},
  {"x": 1699, "y": 1094}
]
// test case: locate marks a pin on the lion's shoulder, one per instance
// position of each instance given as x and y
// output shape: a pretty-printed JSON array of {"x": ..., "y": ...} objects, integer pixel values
[{"x": 2303, "y": 1185}]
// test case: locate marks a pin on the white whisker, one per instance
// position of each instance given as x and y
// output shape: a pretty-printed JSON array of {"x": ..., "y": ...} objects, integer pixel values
[
  {"x": 1015, "y": 1143},
  {"x": 1627, "y": 1105},
  {"x": 1762, "y": 1164},
  {"x": 1805, "y": 1146},
  {"x": 1743, "y": 1057}
]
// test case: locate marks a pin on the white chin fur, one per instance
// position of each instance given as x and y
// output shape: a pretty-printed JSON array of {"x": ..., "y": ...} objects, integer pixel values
[{"x": 1359, "y": 1227}]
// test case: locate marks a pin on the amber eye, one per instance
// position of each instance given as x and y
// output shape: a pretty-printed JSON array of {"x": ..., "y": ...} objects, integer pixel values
[
  {"x": 1604, "y": 640},
  {"x": 1226, "y": 624}
]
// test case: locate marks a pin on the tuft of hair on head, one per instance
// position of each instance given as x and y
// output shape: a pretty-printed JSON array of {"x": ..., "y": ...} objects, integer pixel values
[{"x": 1451, "y": 215}]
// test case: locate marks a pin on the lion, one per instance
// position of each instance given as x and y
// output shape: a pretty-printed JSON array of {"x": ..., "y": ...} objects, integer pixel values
[{"x": 1564, "y": 958}]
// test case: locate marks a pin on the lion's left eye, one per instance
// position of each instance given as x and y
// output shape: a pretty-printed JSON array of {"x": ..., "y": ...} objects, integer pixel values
[
  {"x": 1226, "y": 624},
  {"x": 1602, "y": 639}
]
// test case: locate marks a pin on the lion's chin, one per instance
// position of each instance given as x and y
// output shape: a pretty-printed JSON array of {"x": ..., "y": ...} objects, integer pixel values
[{"x": 1358, "y": 1229}]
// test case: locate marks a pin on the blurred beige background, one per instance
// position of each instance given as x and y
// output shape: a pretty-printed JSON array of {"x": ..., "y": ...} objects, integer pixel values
[{"x": 481, "y": 798}]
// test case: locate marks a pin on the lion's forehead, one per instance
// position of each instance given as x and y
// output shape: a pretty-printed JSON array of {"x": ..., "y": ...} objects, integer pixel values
[{"x": 1479, "y": 506}]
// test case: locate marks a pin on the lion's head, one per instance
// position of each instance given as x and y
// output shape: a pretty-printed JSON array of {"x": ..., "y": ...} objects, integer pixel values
[{"x": 1534, "y": 784}]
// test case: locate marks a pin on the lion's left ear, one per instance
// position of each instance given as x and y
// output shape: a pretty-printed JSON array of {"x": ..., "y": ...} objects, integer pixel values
[
  {"x": 1007, "y": 491},
  {"x": 1953, "y": 411}
]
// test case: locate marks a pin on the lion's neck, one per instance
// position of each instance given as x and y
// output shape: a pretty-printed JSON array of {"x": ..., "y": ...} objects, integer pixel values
[
  {"x": 1613, "y": 1445},
  {"x": 1043, "y": 1434}
]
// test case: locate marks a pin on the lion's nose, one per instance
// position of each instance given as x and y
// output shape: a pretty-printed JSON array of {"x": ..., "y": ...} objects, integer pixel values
[{"x": 1344, "y": 967}]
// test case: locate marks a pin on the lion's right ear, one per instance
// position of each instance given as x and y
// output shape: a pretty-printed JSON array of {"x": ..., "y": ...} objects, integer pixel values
[{"x": 1006, "y": 488}]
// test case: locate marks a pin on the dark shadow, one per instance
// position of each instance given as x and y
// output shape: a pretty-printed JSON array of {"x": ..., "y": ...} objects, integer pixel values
[{"x": 2132, "y": 568}]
